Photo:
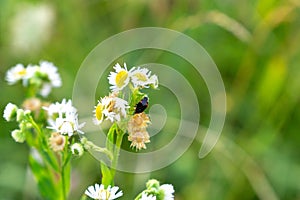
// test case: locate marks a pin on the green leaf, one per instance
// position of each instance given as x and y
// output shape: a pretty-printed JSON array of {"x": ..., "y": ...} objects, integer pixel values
[
  {"x": 110, "y": 138},
  {"x": 134, "y": 99},
  {"x": 48, "y": 154},
  {"x": 44, "y": 179},
  {"x": 106, "y": 175}
]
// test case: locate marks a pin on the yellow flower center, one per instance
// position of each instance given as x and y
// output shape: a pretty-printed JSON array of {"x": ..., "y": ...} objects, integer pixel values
[
  {"x": 106, "y": 192},
  {"x": 22, "y": 72},
  {"x": 121, "y": 78},
  {"x": 141, "y": 77},
  {"x": 98, "y": 112}
]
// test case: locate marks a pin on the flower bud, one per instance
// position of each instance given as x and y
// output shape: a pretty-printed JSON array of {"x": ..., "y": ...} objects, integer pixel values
[
  {"x": 77, "y": 149},
  {"x": 20, "y": 115},
  {"x": 152, "y": 183},
  {"x": 10, "y": 112},
  {"x": 18, "y": 135}
]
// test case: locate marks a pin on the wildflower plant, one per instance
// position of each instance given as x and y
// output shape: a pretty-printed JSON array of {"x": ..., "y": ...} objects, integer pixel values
[
  {"x": 54, "y": 134},
  {"x": 49, "y": 129}
]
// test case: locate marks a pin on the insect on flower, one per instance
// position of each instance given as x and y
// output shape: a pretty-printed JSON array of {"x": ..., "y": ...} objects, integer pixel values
[{"x": 141, "y": 106}]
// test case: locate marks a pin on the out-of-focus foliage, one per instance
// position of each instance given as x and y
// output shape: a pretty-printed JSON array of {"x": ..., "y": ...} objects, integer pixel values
[{"x": 255, "y": 45}]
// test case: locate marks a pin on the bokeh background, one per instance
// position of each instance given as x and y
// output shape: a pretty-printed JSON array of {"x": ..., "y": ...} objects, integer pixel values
[{"x": 255, "y": 45}]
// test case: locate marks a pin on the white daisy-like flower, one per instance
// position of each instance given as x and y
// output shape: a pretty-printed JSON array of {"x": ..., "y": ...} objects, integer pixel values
[
  {"x": 120, "y": 78},
  {"x": 77, "y": 149},
  {"x": 15, "y": 74},
  {"x": 168, "y": 191},
  {"x": 67, "y": 125},
  {"x": 10, "y": 111},
  {"x": 153, "y": 81},
  {"x": 63, "y": 107},
  {"x": 31, "y": 71},
  {"x": 98, "y": 192},
  {"x": 111, "y": 108},
  {"x": 141, "y": 77},
  {"x": 63, "y": 118},
  {"x": 46, "y": 89},
  {"x": 147, "y": 197},
  {"x": 44, "y": 76},
  {"x": 50, "y": 70}
]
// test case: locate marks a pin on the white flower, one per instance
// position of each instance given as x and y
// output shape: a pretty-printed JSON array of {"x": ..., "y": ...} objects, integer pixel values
[
  {"x": 18, "y": 136},
  {"x": 99, "y": 193},
  {"x": 15, "y": 74},
  {"x": 77, "y": 149},
  {"x": 153, "y": 81},
  {"x": 111, "y": 108},
  {"x": 63, "y": 107},
  {"x": 147, "y": 197},
  {"x": 20, "y": 115},
  {"x": 50, "y": 70},
  {"x": 63, "y": 118},
  {"x": 10, "y": 111},
  {"x": 31, "y": 71},
  {"x": 46, "y": 89},
  {"x": 168, "y": 191},
  {"x": 141, "y": 77},
  {"x": 120, "y": 78},
  {"x": 44, "y": 76},
  {"x": 67, "y": 125}
]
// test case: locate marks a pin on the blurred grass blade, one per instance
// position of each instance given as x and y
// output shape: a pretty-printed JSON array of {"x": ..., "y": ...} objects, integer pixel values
[
  {"x": 218, "y": 18},
  {"x": 229, "y": 24},
  {"x": 249, "y": 167}
]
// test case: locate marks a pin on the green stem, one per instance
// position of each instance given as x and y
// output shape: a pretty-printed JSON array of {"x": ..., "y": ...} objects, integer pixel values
[
  {"x": 34, "y": 124},
  {"x": 138, "y": 196},
  {"x": 65, "y": 173},
  {"x": 119, "y": 139},
  {"x": 64, "y": 195},
  {"x": 103, "y": 150},
  {"x": 111, "y": 137},
  {"x": 108, "y": 174},
  {"x": 42, "y": 146}
]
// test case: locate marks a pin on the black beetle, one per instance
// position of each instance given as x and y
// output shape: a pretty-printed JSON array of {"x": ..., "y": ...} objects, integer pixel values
[{"x": 141, "y": 106}]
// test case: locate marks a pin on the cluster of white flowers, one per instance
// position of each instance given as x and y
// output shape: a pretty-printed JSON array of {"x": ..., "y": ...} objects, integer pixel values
[
  {"x": 111, "y": 108},
  {"x": 13, "y": 112},
  {"x": 139, "y": 77},
  {"x": 44, "y": 76},
  {"x": 63, "y": 118},
  {"x": 99, "y": 192},
  {"x": 155, "y": 191}
]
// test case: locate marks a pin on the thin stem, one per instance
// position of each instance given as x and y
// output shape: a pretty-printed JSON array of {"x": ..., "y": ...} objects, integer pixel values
[
  {"x": 103, "y": 150},
  {"x": 64, "y": 169},
  {"x": 120, "y": 135},
  {"x": 138, "y": 196},
  {"x": 110, "y": 137},
  {"x": 34, "y": 124},
  {"x": 63, "y": 183}
]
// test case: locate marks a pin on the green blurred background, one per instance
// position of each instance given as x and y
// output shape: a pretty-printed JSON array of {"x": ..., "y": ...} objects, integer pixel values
[{"x": 255, "y": 45}]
